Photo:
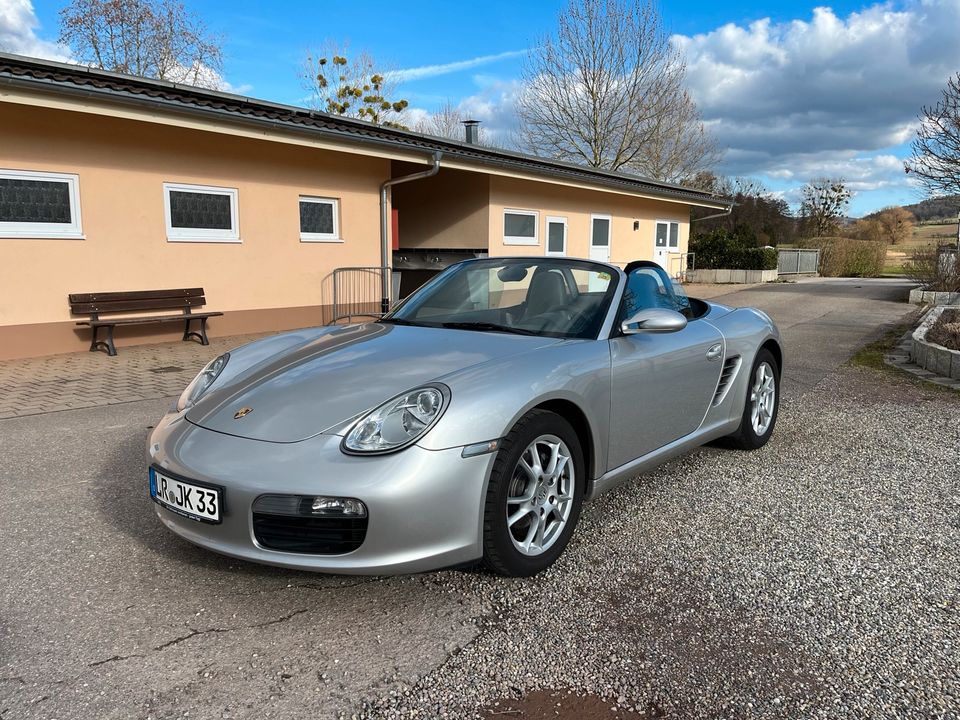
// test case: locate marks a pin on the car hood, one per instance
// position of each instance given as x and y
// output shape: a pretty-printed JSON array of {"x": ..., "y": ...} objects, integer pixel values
[{"x": 325, "y": 382}]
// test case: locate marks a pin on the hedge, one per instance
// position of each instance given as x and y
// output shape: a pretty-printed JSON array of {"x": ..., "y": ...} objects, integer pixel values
[
  {"x": 719, "y": 250},
  {"x": 845, "y": 257}
]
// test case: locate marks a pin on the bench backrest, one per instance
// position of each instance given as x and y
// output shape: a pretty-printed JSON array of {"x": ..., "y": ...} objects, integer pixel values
[{"x": 136, "y": 301}]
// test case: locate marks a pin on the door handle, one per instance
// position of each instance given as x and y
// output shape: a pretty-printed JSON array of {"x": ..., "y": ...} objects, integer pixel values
[{"x": 715, "y": 352}]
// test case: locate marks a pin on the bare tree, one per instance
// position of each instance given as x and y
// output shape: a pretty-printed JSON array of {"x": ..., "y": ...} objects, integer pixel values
[
  {"x": 151, "y": 38},
  {"x": 679, "y": 146},
  {"x": 824, "y": 204},
  {"x": 757, "y": 216},
  {"x": 896, "y": 225},
  {"x": 608, "y": 91},
  {"x": 866, "y": 229},
  {"x": 352, "y": 87},
  {"x": 936, "y": 148},
  {"x": 447, "y": 122}
]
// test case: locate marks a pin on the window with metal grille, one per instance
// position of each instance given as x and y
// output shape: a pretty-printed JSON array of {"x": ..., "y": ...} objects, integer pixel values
[
  {"x": 39, "y": 205},
  {"x": 199, "y": 213},
  {"x": 319, "y": 221}
]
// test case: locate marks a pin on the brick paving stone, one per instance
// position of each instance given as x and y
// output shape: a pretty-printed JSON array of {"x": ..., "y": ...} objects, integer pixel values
[{"x": 84, "y": 379}]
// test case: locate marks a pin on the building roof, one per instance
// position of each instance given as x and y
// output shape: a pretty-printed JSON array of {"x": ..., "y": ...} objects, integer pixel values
[{"x": 161, "y": 96}]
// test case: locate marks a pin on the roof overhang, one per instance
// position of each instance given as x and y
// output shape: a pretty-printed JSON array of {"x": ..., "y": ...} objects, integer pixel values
[{"x": 77, "y": 89}]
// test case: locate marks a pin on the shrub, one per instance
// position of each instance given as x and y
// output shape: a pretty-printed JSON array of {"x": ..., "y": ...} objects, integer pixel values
[
  {"x": 721, "y": 249},
  {"x": 935, "y": 269},
  {"x": 946, "y": 330},
  {"x": 845, "y": 257}
]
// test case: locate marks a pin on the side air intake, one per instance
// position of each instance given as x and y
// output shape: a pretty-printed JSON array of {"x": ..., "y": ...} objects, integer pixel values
[{"x": 730, "y": 367}]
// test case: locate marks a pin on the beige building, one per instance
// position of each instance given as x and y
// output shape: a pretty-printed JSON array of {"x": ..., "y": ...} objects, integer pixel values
[{"x": 113, "y": 183}]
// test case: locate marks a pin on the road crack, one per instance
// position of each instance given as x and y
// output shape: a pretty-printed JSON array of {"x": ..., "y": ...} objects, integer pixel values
[
  {"x": 115, "y": 658},
  {"x": 194, "y": 632}
]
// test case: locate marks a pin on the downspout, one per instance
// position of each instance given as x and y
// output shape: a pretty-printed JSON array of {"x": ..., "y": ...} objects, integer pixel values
[
  {"x": 385, "y": 226},
  {"x": 716, "y": 215}
]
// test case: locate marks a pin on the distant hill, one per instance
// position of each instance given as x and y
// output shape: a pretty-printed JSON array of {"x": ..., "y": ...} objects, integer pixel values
[{"x": 941, "y": 208}]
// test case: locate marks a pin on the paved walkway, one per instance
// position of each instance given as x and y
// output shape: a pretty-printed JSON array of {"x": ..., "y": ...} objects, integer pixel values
[{"x": 88, "y": 379}]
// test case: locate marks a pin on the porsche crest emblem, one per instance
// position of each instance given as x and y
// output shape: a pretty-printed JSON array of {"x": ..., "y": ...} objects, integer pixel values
[{"x": 242, "y": 412}]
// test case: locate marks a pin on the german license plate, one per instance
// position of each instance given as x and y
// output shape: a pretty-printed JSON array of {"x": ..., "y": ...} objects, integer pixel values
[{"x": 184, "y": 498}]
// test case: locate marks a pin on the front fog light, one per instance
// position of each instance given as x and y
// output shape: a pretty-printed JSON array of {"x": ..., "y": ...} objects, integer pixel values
[{"x": 345, "y": 507}]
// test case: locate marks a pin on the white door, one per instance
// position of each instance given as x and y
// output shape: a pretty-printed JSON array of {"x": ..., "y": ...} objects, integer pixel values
[
  {"x": 600, "y": 238},
  {"x": 666, "y": 243},
  {"x": 556, "y": 236}
]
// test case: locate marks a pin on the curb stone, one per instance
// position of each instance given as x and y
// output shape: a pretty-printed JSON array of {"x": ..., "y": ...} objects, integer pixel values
[{"x": 899, "y": 358}]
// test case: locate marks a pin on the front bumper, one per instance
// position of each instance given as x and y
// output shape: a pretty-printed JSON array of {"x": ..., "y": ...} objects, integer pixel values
[{"x": 425, "y": 506}]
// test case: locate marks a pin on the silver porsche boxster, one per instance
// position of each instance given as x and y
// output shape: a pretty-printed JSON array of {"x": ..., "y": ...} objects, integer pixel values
[{"x": 469, "y": 424}]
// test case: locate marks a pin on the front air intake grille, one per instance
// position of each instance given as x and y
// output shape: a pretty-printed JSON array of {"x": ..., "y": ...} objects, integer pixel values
[
  {"x": 313, "y": 535},
  {"x": 729, "y": 372}
]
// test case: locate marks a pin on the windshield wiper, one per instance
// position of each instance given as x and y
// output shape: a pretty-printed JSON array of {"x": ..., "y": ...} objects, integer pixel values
[
  {"x": 398, "y": 321},
  {"x": 487, "y": 327}
]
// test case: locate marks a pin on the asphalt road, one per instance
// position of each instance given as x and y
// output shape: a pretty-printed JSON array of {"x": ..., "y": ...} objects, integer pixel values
[
  {"x": 105, "y": 614},
  {"x": 825, "y": 320}
]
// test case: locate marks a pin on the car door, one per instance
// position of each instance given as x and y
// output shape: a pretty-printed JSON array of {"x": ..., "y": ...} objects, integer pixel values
[{"x": 661, "y": 383}]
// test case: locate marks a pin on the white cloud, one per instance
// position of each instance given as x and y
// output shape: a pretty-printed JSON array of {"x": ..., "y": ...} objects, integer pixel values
[
  {"x": 429, "y": 71},
  {"x": 204, "y": 76},
  {"x": 823, "y": 96},
  {"x": 18, "y": 35},
  {"x": 493, "y": 104},
  {"x": 18, "y": 26}
]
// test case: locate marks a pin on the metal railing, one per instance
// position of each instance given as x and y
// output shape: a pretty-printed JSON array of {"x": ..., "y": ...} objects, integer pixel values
[
  {"x": 681, "y": 264},
  {"x": 357, "y": 292},
  {"x": 798, "y": 262}
]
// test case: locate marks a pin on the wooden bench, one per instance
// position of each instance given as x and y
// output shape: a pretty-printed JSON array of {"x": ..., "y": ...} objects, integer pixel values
[{"x": 123, "y": 303}]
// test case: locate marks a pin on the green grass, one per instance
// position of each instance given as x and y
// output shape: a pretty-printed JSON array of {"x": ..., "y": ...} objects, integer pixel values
[
  {"x": 871, "y": 355},
  {"x": 893, "y": 270}
]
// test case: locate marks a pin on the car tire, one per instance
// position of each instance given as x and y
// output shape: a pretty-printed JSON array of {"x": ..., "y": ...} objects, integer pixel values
[
  {"x": 759, "y": 408},
  {"x": 533, "y": 493}
]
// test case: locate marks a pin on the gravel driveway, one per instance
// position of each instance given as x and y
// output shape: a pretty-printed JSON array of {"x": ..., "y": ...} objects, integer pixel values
[{"x": 817, "y": 577}]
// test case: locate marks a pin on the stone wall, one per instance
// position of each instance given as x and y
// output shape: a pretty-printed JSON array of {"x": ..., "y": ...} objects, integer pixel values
[{"x": 930, "y": 356}]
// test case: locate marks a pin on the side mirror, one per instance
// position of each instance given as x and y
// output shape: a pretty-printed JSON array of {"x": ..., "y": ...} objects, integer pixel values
[{"x": 654, "y": 320}]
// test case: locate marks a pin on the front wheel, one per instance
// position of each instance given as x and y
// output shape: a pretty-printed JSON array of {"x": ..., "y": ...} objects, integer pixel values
[
  {"x": 534, "y": 496},
  {"x": 762, "y": 404}
]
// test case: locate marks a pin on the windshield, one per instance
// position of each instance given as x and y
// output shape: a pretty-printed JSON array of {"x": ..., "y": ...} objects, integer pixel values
[{"x": 537, "y": 296}]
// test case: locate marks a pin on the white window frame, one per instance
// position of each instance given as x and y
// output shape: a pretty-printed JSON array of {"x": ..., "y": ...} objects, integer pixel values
[
  {"x": 609, "y": 245},
  {"x": 669, "y": 248},
  {"x": 42, "y": 231},
  {"x": 557, "y": 220},
  {"x": 519, "y": 240},
  {"x": 213, "y": 235},
  {"x": 322, "y": 237}
]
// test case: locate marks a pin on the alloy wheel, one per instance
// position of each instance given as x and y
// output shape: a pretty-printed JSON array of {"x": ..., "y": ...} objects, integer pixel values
[
  {"x": 763, "y": 397},
  {"x": 540, "y": 495}
]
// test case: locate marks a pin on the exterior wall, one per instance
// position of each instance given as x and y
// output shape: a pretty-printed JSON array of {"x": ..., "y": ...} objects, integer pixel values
[
  {"x": 269, "y": 281},
  {"x": 577, "y": 205},
  {"x": 448, "y": 210}
]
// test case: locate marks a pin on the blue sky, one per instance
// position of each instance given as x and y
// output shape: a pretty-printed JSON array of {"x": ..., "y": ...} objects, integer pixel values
[{"x": 791, "y": 91}]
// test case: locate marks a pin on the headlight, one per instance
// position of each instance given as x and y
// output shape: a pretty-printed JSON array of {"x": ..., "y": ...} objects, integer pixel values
[
  {"x": 202, "y": 382},
  {"x": 398, "y": 422}
]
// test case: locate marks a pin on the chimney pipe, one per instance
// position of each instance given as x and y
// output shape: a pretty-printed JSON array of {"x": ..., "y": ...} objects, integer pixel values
[{"x": 472, "y": 129}]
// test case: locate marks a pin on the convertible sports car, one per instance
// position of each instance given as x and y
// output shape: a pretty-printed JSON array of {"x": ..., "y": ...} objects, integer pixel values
[{"x": 470, "y": 423}]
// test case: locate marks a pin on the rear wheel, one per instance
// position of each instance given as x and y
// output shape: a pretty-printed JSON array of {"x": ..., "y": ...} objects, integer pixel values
[
  {"x": 534, "y": 496},
  {"x": 762, "y": 404}
]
